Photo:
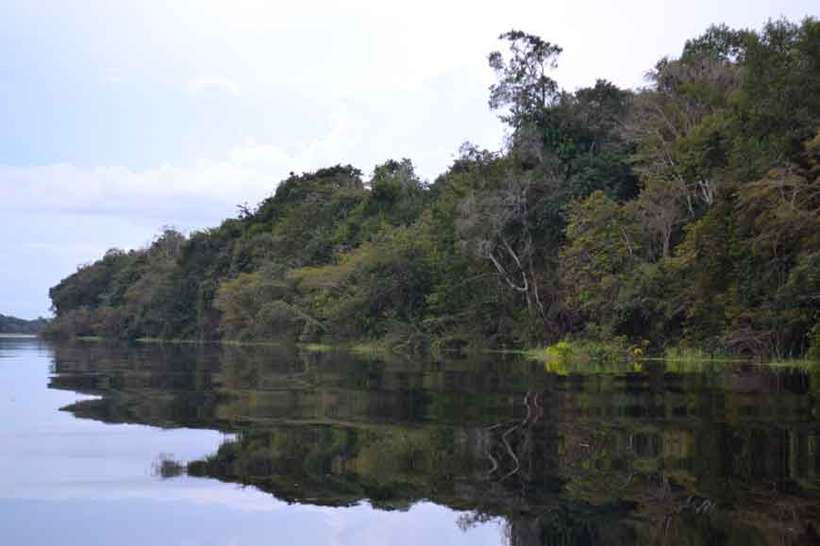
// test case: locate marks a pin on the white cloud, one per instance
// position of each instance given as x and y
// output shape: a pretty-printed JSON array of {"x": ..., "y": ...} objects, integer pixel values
[
  {"x": 203, "y": 191},
  {"x": 218, "y": 85}
]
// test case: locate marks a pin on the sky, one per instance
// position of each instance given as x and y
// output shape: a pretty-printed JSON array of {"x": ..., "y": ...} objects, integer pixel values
[{"x": 118, "y": 118}]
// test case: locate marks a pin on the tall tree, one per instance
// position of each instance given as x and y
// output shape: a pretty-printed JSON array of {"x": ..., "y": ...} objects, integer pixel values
[{"x": 523, "y": 88}]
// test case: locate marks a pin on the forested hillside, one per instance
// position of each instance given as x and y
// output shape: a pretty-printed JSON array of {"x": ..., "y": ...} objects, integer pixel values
[
  {"x": 14, "y": 325},
  {"x": 686, "y": 212}
]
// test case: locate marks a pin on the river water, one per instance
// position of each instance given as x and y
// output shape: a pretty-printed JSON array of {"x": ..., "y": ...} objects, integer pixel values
[{"x": 227, "y": 446}]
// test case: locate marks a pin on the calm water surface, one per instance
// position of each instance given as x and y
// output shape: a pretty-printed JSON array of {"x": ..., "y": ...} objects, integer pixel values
[{"x": 202, "y": 445}]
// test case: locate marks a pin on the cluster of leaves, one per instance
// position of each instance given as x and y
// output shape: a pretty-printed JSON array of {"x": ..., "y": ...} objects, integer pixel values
[
  {"x": 685, "y": 212},
  {"x": 720, "y": 247}
]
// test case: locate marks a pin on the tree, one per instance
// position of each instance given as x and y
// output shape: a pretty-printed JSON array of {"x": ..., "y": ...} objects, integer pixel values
[
  {"x": 524, "y": 89},
  {"x": 494, "y": 225},
  {"x": 679, "y": 126},
  {"x": 687, "y": 211},
  {"x": 660, "y": 212},
  {"x": 258, "y": 305},
  {"x": 604, "y": 242}
]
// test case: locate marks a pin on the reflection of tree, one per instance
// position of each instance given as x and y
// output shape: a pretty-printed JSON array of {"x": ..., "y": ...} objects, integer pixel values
[
  {"x": 659, "y": 456},
  {"x": 505, "y": 461},
  {"x": 167, "y": 467}
]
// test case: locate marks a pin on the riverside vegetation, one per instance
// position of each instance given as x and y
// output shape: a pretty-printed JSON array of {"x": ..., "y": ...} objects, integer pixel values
[
  {"x": 14, "y": 325},
  {"x": 684, "y": 213}
]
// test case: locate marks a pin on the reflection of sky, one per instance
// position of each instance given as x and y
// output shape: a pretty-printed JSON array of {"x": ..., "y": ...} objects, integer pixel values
[
  {"x": 68, "y": 481},
  {"x": 142, "y": 521}
]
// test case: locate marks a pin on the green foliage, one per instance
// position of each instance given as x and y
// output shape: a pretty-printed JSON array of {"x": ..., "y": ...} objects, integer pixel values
[
  {"x": 573, "y": 356},
  {"x": 523, "y": 85},
  {"x": 814, "y": 343},
  {"x": 256, "y": 306},
  {"x": 686, "y": 213},
  {"x": 693, "y": 355},
  {"x": 14, "y": 325},
  {"x": 604, "y": 240}
]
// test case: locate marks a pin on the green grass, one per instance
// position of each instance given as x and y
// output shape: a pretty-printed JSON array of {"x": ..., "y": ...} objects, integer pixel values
[
  {"x": 172, "y": 340},
  {"x": 582, "y": 350},
  {"x": 569, "y": 356},
  {"x": 802, "y": 363},
  {"x": 693, "y": 354},
  {"x": 317, "y": 347},
  {"x": 369, "y": 348},
  {"x": 579, "y": 356}
]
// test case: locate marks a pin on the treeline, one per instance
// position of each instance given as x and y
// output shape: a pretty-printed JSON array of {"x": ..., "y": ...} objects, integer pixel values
[
  {"x": 14, "y": 325},
  {"x": 687, "y": 212}
]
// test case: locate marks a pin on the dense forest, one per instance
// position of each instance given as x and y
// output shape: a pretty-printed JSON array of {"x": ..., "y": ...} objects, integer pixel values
[
  {"x": 14, "y": 325},
  {"x": 683, "y": 213}
]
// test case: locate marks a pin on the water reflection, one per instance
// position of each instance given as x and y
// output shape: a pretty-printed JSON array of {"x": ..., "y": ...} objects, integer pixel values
[{"x": 650, "y": 454}]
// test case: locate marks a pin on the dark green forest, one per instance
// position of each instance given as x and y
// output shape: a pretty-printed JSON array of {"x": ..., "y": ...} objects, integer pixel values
[
  {"x": 683, "y": 213},
  {"x": 14, "y": 325}
]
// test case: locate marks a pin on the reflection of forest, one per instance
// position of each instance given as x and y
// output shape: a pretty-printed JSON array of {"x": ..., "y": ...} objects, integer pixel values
[{"x": 724, "y": 455}]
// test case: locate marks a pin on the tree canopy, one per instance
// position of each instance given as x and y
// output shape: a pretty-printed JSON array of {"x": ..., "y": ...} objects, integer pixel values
[{"x": 683, "y": 212}]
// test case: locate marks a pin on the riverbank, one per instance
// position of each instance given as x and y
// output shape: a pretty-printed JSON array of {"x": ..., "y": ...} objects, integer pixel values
[{"x": 566, "y": 356}]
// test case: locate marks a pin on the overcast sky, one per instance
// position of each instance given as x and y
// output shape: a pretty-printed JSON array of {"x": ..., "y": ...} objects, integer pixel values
[{"x": 117, "y": 118}]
